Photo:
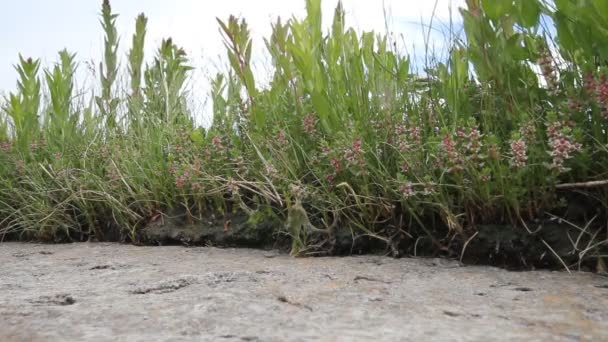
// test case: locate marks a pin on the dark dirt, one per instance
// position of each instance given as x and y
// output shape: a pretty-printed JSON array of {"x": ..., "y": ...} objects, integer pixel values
[{"x": 112, "y": 292}]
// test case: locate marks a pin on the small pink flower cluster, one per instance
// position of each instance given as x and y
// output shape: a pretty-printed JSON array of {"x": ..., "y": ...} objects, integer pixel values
[
  {"x": 415, "y": 136},
  {"x": 309, "y": 124},
  {"x": 271, "y": 171},
  {"x": 519, "y": 150},
  {"x": 464, "y": 146},
  {"x": 216, "y": 141},
  {"x": 196, "y": 186},
  {"x": 429, "y": 189},
  {"x": 181, "y": 180},
  {"x": 528, "y": 131},
  {"x": 377, "y": 125},
  {"x": 602, "y": 95},
  {"x": 185, "y": 174},
  {"x": 519, "y": 146},
  {"x": 400, "y": 129},
  {"x": 407, "y": 190},
  {"x": 597, "y": 88},
  {"x": 354, "y": 155},
  {"x": 575, "y": 105},
  {"x": 218, "y": 150},
  {"x": 547, "y": 68},
  {"x": 454, "y": 158},
  {"x": 6, "y": 146},
  {"x": 562, "y": 144},
  {"x": 473, "y": 144},
  {"x": 589, "y": 83},
  {"x": 335, "y": 163},
  {"x": 178, "y": 149},
  {"x": 37, "y": 145},
  {"x": 282, "y": 138},
  {"x": 407, "y": 137},
  {"x": 327, "y": 154}
]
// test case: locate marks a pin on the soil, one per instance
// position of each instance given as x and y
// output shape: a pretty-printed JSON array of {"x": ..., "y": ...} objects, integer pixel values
[{"x": 113, "y": 292}]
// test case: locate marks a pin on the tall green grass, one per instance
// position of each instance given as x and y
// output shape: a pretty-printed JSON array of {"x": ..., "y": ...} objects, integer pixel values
[{"x": 510, "y": 129}]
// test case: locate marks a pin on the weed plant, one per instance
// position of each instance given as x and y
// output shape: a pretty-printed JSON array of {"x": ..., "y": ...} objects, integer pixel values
[{"x": 509, "y": 131}]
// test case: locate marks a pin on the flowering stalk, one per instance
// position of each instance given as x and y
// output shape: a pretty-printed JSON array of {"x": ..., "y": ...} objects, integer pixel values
[
  {"x": 601, "y": 93},
  {"x": 454, "y": 158},
  {"x": 547, "y": 68},
  {"x": 519, "y": 153},
  {"x": 562, "y": 144}
]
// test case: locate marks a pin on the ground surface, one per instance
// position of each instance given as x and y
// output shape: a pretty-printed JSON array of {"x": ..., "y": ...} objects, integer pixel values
[{"x": 111, "y": 292}]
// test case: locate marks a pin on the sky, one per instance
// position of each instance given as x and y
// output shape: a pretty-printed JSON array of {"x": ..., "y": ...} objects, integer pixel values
[{"x": 40, "y": 28}]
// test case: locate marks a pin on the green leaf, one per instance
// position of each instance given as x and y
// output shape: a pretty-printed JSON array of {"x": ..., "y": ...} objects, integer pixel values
[
  {"x": 197, "y": 137},
  {"x": 529, "y": 13},
  {"x": 602, "y": 8},
  {"x": 564, "y": 34},
  {"x": 495, "y": 9}
]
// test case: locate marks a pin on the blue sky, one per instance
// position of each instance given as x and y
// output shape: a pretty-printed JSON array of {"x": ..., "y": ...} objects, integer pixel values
[{"x": 39, "y": 28}]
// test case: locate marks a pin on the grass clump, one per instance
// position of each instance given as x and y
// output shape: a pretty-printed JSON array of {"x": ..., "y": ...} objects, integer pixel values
[{"x": 505, "y": 141}]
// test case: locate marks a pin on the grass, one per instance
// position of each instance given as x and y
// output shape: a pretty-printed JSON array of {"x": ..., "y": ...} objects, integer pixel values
[{"x": 507, "y": 132}]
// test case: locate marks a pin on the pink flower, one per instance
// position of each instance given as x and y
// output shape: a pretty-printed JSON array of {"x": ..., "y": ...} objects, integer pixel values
[
  {"x": 574, "y": 105},
  {"x": 271, "y": 171},
  {"x": 357, "y": 146},
  {"x": 474, "y": 143},
  {"x": 519, "y": 152},
  {"x": 415, "y": 136},
  {"x": 309, "y": 122},
  {"x": 528, "y": 131},
  {"x": 460, "y": 133},
  {"x": 336, "y": 165},
  {"x": 6, "y": 146},
  {"x": 562, "y": 144},
  {"x": 429, "y": 189},
  {"x": 179, "y": 181},
  {"x": 217, "y": 143},
  {"x": 601, "y": 93},
  {"x": 454, "y": 158},
  {"x": 547, "y": 68},
  {"x": 407, "y": 190},
  {"x": 400, "y": 130},
  {"x": 354, "y": 155},
  {"x": 282, "y": 138},
  {"x": 589, "y": 83}
]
